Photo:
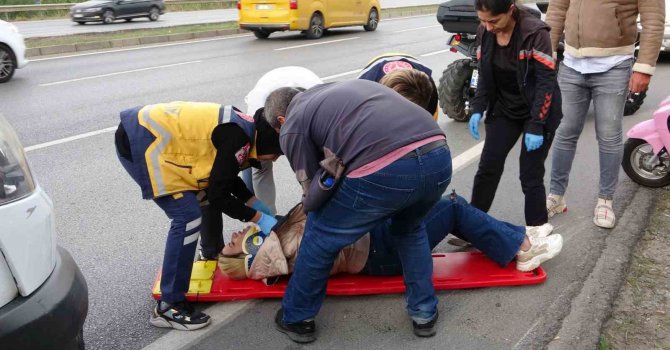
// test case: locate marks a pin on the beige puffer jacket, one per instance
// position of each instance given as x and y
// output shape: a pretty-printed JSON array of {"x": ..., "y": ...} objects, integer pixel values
[
  {"x": 278, "y": 254},
  {"x": 597, "y": 28}
]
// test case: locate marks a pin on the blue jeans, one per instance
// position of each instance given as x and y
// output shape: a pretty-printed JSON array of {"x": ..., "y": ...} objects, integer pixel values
[
  {"x": 186, "y": 217},
  {"x": 499, "y": 240},
  {"x": 403, "y": 192},
  {"x": 608, "y": 91}
]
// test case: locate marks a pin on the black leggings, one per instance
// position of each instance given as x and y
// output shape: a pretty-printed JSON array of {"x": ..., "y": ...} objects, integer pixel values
[{"x": 502, "y": 134}]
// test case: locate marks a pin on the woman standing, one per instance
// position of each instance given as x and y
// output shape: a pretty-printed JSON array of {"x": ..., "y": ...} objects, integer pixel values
[{"x": 517, "y": 88}]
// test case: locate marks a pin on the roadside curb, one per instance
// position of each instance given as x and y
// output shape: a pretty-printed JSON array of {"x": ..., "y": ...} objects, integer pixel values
[
  {"x": 157, "y": 39},
  {"x": 592, "y": 307},
  {"x": 575, "y": 319}
]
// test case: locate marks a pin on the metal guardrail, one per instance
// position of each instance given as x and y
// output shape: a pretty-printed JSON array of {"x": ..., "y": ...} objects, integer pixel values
[{"x": 66, "y": 6}]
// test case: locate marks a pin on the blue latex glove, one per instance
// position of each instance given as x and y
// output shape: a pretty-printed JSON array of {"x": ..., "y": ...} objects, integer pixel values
[
  {"x": 474, "y": 125},
  {"x": 266, "y": 223},
  {"x": 260, "y": 206},
  {"x": 533, "y": 141}
]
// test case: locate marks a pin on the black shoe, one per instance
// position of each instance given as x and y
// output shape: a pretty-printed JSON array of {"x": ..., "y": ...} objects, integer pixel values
[
  {"x": 179, "y": 316},
  {"x": 426, "y": 329},
  {"x": 299, "y": 332}
]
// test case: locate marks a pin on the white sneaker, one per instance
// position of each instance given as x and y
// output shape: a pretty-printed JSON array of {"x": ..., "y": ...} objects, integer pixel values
[
  {"x": 539, "y": 231},
  {"x": 541, "y": 250},
  {"x": 556, "y": 204},
  {"x": 603, "y": 214}
]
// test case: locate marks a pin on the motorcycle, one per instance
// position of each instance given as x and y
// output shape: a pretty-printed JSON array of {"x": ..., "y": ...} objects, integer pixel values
[
  {"x": 646, "y": 159},
  {"x": 459, "y": 80},
  {"x": 458, "y": 83}
]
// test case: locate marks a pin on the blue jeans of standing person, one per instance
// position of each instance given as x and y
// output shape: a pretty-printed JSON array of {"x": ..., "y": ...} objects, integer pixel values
[
  {"x": 499, "y": 240},
  {"x": 403, "y": 192},
  {"x": 185, "y": 213},
  {"x": 608, "y": 91}
]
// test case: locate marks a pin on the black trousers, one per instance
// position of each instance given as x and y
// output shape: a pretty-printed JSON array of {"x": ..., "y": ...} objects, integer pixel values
[{"x": 502, "y": 134}]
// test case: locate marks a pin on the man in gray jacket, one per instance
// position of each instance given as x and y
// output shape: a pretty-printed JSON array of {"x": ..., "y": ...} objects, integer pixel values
[
  {"x": 362, "y": 152},
  {"x": 600, "y": 38}
]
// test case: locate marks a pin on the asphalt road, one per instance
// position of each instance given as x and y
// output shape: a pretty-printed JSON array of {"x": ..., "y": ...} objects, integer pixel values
[
  {"x": 117, "y": 239},
  {"x": 58, "y": 27}
]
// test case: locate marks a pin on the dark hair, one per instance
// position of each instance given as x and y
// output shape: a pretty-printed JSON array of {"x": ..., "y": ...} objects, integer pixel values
[
  {"x": 496, "y": 7},
  {"x": 414, "y": 85},
  {"x": 267, "y": 138},
  {"x": 277, "y": 103}
]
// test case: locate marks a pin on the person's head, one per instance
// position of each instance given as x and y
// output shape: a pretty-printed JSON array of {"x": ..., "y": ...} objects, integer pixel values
[
  {"x": 496, "y": 15},
  {"x": 413, "y": 84},
  {"x": 232, "y": 257},
  {"x": 267, "y": 138},
  {"x": 276, "y": 105}
]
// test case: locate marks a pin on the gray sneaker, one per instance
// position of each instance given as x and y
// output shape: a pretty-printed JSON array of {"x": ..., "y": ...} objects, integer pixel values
[
  {"x": 181, "y": 316},
  {"x": 556, "y": 205}
]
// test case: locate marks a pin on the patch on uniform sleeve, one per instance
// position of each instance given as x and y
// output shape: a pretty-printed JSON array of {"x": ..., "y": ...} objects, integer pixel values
[
  {"x": 242, "y": 154},
  {"x": 245, "y": 116},
  {"x": 395, "y": 65}
]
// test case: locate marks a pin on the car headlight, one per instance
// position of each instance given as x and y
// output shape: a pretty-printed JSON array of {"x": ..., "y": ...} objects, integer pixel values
[
  {"x": 93, "y": 9},
  {"x": 16, "y": 181}
]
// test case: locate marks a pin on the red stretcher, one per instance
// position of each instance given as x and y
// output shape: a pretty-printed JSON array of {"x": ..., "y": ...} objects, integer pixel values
[{"x": 450, "y": 271}]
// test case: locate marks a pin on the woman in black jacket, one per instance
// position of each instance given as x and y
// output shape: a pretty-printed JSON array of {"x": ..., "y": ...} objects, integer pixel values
[{"x": 517, "y": 88}]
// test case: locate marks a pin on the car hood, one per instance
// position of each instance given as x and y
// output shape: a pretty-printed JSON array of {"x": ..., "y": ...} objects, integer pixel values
[{"x": 88, "y": 4}]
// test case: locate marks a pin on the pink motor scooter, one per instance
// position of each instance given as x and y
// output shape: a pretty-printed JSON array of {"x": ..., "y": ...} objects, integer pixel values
[{"x": 646, "y": 159}]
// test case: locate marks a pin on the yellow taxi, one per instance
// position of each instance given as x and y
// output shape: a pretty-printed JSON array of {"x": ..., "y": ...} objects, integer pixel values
[{"x": 312, "y": 17}]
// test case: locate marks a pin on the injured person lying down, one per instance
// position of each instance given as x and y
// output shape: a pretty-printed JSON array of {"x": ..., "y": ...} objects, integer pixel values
[{"x": 250, "y": 255}]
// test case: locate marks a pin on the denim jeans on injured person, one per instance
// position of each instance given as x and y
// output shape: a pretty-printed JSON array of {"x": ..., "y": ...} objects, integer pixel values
[
  {"x": 403, "y": 192},
  {"x": 499, "y": 240},
  {"x": 608, "y": 91}
]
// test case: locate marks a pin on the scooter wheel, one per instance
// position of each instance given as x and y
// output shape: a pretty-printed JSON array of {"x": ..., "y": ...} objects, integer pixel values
[{"x": 635, "y": 154}]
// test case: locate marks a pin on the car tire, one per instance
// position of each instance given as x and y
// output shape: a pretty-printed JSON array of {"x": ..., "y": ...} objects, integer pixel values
[
  {"x": 316, "y": 28},
  {"x": 108, "y": 17},
  {"x": 128, "y": 19},
  {"x": 373, "y": 20},
  {"x": 154, "y": 14},
  {"x": 7, "y": 63},
  {"x": 261, "y": 34},
  {"x": 82, "y": 23}
]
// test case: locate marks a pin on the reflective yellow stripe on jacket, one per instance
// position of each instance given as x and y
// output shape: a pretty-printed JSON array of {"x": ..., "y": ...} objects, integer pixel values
[{"x": 181, "y": 157}]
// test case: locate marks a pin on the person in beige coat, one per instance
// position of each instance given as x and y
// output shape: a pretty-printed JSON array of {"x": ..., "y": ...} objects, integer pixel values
[
  {"x": 247, "y": 255},
  {"x": 599, "y": 66}
]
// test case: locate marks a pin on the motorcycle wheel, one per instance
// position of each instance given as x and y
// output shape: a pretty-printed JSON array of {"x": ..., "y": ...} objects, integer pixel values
[
  {"x": 453, "y": 89},
  {"x": 634, "y": 102},
  {"x": 635, "y": 153}
]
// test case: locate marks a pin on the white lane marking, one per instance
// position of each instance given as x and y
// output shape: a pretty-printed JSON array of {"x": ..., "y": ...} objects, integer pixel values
[
  {"x": 419, "y": 28},
  {"x": 399, "y": 18},
  {"x": 118, "y": 73},
  {"x": 221, "y": 314},
  {"x": 139, "y": 48},
  {"x": 341, "y": 74},
  {"x": 314, "y": 44},
  {"x": 435, "y": 53},
  {"x": 464, "y": 159},
  {"x": 69, "y": 139}
]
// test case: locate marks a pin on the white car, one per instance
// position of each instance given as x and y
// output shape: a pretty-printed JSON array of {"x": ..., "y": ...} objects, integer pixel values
[
  {"x": 43, "y": 294},
  {"x": 12, "y": 51},
  {"x": 665, "y": 45}
]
